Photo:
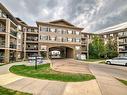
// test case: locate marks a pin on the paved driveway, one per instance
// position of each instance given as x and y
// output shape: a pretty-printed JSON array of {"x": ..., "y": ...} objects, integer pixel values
[
  {"x": 106, "y": 78},
  {"x": 105, "y": 74},
  {"x": 46, "y": 87},
  {"x": 70, "y": 65}
]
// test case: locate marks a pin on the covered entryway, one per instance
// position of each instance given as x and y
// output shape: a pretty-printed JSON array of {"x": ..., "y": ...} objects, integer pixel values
[{"x": 61, "y": 52}]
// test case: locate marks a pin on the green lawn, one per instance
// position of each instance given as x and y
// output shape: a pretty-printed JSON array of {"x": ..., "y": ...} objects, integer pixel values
[
  {"x": 123, "y": 81},
  {"x": 45, "y": 72},
  {"x": 5, "y": 91},
  {"x": 2, "y": 64},
  {"x": 94, "y": 60}
]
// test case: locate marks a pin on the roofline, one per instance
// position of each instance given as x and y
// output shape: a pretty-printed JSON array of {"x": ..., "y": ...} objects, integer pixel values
[
  {"x": 57, "y": 25},
  {"x": 62, "y": 20}
]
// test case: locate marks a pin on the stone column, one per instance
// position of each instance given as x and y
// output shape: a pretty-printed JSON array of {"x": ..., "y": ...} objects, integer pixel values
[
  {"x": 24, "y": 45},
  {"x": 7, "y": 42}
]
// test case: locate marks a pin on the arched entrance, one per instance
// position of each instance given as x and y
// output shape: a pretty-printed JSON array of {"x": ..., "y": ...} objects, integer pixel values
[{"x": 60, "y": 52}]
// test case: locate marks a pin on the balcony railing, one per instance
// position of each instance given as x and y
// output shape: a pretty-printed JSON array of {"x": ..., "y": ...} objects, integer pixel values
[
  {"x": 2, "y": 29},
  {"x": 84, "y": 48},
  {"x": 32, "y": 38},
  {"x": 32, "y": 30},
  {"x": 2, "y": 45},
  {"x": 14, "y": 33},
  {"x": 122, "y": 43},
  {"x": 13, "y": 46},
  {"x": 32, "y": 48}
]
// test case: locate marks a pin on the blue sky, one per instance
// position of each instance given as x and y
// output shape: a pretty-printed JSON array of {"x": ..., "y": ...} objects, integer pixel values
[{"x": 93, "y": 15}]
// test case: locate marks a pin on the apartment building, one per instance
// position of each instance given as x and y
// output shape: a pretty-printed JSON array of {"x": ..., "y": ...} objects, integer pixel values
[
  {"x": 118, "y": 33},
  {"x": 10, "y": 37},
  {"x": 61, "y": 36},
  {"x": 55, "y": 39}
]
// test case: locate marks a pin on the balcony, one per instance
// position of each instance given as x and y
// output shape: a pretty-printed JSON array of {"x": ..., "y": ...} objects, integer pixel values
[
  {"x": 1, "y": 56},
  {"x": 2, "y": 42},
  {"x": 32, "y": 47},
  {"x": 122, "y": 43},
  {"x": 2, "y": 29},
  {"x": 123, "y": 36},
  {"x": 32, "y": 30},
  {"x": 84, "y": 49},
  {"x": 83, "y": 36},
  {"x": 122, "y": 50},
  {"x": 32, "y": 38},
  {"x": 14, "y": 33},
  {"x": 2, "y": 45},
  {"x": 13, "y": 46}
]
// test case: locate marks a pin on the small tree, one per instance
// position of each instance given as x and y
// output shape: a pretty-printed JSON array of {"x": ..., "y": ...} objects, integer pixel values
[
  {"x": 96, "y": 48},
  {"x": 111, "y": 48}
]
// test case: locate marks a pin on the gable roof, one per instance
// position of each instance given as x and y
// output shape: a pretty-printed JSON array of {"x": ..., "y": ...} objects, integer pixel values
[{"x": 61, "y": 21}]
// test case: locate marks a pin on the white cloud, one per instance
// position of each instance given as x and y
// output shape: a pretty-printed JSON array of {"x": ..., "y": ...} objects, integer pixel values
[{"x": 90, "y": 14}]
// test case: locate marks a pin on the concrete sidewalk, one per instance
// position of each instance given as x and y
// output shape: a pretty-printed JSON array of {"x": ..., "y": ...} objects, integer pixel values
[
  {"x": 108, "y": 84},
  {"x": 45, "y": 87}
]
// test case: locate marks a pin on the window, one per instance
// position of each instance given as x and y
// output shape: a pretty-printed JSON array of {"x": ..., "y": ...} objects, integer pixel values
[
  {"x": 111, "y": 34},
  {"x": 77, "y": 47},
  {"x": 69, "y": 39},
  {"x": 44, "y": 29},
  {"x": 52, "y": 38},
  {"x": 43, "y": 37},
  {"x": 69, "y": 32},
  {"x": 77, "y": 40},
  {"x": 64, "y": 31},
  {"x": 105, "y": 36},
  {"x": 4, "y": 15},
  {"x": 77, "y": 33},
  {"x": 19, "y": 35},
  {"x": 19, "y": 27},
  {"x": 52, "y": 29},
  {"x": 64, "y": 39},
  {"x": 0, "y": 13},
  {"x": 29, "y": 30},
  {"x": 35, "y": 30},
  {"x": 24, "y": 29}
]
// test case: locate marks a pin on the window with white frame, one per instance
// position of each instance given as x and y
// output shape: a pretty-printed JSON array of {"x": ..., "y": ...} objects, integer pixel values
[
  {"x": 43, "y": 37},
  {"x": 77, "y": 33},
  {"x": 69, "y": 32},
  {"x": 29, "y": 30},
  {"x": 77, "y": 47},
  {"x": 53, "y": 38},
  {"x": 44, "y": 29},
  {"x": 111, "y": 34},
  {"x": 69, "y": 39},
  {"x": 77, "y": 40},
  {"x": 52, "y": 29}
]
